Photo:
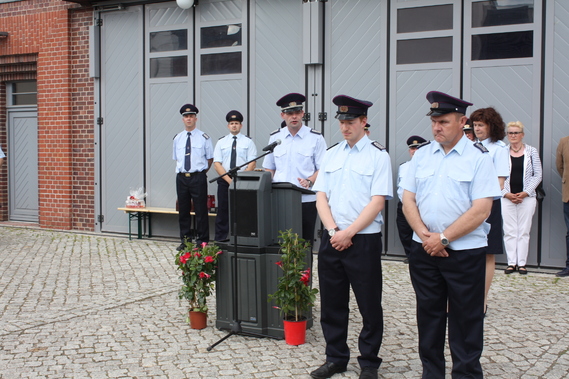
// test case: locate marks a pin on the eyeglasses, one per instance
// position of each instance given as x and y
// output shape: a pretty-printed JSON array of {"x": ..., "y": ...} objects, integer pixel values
[{"x": 514, "y": 133}]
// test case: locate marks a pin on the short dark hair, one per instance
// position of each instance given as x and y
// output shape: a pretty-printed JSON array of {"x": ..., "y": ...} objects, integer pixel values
[{"x": 490, "y": 116}]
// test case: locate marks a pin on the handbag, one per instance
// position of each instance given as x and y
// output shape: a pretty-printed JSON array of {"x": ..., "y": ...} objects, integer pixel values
[{"x": 539, "y": 191}]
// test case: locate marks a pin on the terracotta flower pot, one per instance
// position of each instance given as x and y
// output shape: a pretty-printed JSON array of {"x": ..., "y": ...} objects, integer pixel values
[
  {"x": 295, "y": 332},
  {"x": 198, "y": 320}
]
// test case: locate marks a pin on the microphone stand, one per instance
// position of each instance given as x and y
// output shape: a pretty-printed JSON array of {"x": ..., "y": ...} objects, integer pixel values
[{"x": 236, "y": 328}]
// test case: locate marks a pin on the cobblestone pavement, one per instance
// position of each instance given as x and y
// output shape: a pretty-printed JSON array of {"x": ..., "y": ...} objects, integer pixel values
[{"x": 90, "y": 306}]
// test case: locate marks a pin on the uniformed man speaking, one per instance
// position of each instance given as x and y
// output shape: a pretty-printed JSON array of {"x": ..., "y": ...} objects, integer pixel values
[
  {"x": 351, "y": 189},
  {"x": 449, "y": 188}
]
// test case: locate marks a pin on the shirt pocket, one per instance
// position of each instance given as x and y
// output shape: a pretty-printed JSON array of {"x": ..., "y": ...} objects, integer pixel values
[
  {"x": 458, "y": 185},
  {"x": 424, "y": 180},
  {"x": 361, "y": 177},
  {"x": 304, "y": 160}
]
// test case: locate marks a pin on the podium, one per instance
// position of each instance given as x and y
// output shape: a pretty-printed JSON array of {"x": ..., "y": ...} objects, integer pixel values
[{"x": 262, "y": 210}]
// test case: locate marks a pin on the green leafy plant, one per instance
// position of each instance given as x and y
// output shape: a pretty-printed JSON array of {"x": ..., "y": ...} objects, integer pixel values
[
  {"x": 198, "y": 266},
  {"x": 294, "y": 295}
]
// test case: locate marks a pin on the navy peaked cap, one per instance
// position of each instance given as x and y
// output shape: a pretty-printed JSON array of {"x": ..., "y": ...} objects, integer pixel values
[
  {"x": 441, "y": 104},
  {"x": 291, "y": 102},
  {"x": 234, "y": 116},
  {"x": 415, "y": 141},
  {"x": 189, "y": 109},
  {"x": 350, "y": 108}
]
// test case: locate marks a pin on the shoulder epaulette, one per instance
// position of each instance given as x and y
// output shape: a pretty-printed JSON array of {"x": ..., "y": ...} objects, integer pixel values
[
  {"x": 378, "y": 145},
  {"x": 423, "y": 144},
  {"x": 222, "y": 137},
  {"x": 275, "y": 132},
  {"x": 175, "y": 136},
  {"x": 248, "y": 137},
  {"x": 205, "y": 136},
  {"x": 315, "y": 132},
  {"x": 480, "y": 147},
  {"x": 332, "y": 145}
]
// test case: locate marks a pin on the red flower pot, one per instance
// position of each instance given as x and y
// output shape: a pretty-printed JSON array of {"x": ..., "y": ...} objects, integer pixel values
[
  {"x": 295, "y": 332},
  {"x": 198, "y": 320}
]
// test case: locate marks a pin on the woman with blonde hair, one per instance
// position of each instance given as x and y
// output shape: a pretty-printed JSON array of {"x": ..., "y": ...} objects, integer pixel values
[{"x": 519, "y": 197}]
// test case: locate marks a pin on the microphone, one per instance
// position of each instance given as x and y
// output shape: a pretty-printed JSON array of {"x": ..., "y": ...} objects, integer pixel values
[{"x": 272, "y": 146}]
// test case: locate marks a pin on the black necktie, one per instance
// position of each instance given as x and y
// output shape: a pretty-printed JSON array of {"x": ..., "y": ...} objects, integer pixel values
[
  {"x": 188, "y": 160},
  {"x": 233, "y": 153}
]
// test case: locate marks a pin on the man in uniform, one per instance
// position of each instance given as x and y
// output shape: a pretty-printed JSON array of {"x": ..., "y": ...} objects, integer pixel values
[
  {"x": 351, "y": 189},
  {"x": 403, "y": 228},
  {"x": 562, "y": 164},
  {"x": 449, "y": 190},
  {"x": 230, "y": 151},
  {"x": 193, "y": 153},
  {"x": 297, "y": 159},
  {"x": 468, "y": 131}
]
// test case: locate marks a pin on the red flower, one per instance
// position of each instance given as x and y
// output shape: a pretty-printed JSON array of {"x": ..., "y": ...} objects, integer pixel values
[
  {"x": 219, "y": 252},
  {"x": 279, "y": 263},
  {"x": 204, "y": 244},
  {"x": 184, "y": 258},
  {"x": 204, "y": 275},
  {"x": 209, "y": 259},
  {"x": 305, "y": 278},
  {"x": 198, "y": 255}
]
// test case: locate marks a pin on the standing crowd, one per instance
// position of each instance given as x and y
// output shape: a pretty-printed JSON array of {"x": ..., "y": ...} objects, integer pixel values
[{"x": 464, "y": 197}]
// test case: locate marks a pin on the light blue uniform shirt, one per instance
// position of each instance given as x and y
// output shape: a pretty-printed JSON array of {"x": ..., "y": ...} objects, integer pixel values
[
  {"x": 350, "y": 177},
  {"x": 202, "y": 150},
  {"x": 2, "y": 155},
  {"x": 500, "y": 156},
  {"x": 403, "y": 168},
  {"x": 297, "y": 156},
  {"x": 446, "y": 185},
  {"x": 246, "y": 150}
]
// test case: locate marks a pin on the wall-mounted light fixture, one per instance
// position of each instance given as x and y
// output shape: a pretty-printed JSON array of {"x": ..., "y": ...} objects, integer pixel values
[
  {"x": 186, "y": 4},
  {"x": 3, "y": 34}
]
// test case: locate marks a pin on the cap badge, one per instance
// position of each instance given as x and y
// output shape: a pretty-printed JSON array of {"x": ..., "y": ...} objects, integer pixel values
[
  {"x": 434, "y": 105},
  {"x": 187, "y": 110},
  {"x": 343, "y": 108},
  {"x": 233, "y": 116},
  {"x": 292, "y": 104},
  {"x": 415, "y": 142}
]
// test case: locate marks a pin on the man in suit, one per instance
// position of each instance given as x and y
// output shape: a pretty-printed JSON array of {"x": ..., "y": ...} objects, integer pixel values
[{"x": 562, "y": 163}]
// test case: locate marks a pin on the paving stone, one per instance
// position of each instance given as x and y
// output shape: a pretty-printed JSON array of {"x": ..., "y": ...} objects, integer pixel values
[{"x": 92, "y": 306}]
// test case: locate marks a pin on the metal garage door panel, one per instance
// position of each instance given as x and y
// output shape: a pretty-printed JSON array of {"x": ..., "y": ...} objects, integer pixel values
[
  {"x": 510, "y": 90},
  {"x": 354, "y": 62},
  {"x": 122, "y": 111},
  {"x": 165, "y": 122},
  {"x": 553, "y": 249},
  {"x": 277, "y": 67},
  {"x": 22, "y": 159}
]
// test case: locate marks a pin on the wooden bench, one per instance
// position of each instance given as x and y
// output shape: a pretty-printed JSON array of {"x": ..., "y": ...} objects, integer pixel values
[{"x": 146, "y": 213}]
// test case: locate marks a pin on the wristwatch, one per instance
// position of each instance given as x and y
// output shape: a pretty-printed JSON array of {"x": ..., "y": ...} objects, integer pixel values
[
  {"x": 444, "y": 241},
  {"x": 310, "y": 184},
  {"x": 333, "y": 231}
]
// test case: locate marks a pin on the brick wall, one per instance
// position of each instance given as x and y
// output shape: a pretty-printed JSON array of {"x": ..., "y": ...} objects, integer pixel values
[{"x": 57, "y": 32}]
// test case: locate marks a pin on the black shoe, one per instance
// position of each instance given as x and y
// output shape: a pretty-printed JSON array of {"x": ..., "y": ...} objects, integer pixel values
[
  {"x": 181, "y": 247},
  {"x": 406, "y": 261},
  {"x": 563, "y": 273},
  {"x": 327, "y": 370},
  {"x": 368, "y": 373}
]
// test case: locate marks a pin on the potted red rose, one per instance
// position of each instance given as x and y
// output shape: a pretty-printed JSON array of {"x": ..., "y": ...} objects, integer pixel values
[{"x": 198, "y": 267}]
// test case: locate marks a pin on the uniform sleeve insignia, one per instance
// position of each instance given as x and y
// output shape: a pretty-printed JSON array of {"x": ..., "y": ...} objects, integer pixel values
[
  {"x": 205, "y": 136},
  {"x": 315, "y": 132},
  {"x": 333, "y": 145},
  {"x": 275, "y": 132},
  {"x": 378, "y": 145},
  {"x": 480, "y": 147},
  {"x": 423, "y": 144}
]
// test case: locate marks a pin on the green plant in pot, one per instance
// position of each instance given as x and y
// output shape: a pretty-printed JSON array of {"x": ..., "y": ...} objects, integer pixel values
[
  {"x": 198, "y": 267},
  {"x": 294, "y": 295}
]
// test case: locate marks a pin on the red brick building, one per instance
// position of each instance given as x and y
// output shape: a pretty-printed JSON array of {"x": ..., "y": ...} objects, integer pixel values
[{"x": 48, "y": 42}]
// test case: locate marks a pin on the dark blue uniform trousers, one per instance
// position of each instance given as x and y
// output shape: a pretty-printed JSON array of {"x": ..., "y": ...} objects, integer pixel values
[
  {"x": 404, "y": 229},
  {"x": 188, "y": 188},
  {"x": 458, "y": 281},
  {"x": 360, "y": 267},
  {"x": 222, "y": 218}
]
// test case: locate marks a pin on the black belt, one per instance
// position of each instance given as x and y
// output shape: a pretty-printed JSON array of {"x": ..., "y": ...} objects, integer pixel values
[{"x": 190, "y": 174}]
